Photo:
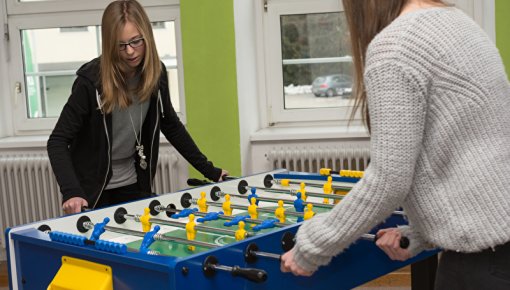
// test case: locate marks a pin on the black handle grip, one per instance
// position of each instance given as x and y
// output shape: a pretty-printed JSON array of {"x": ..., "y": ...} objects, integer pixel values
[
  {"x": 228, "y": 177},
  {"x": 252, "y": 274},
  {"x": 197, "y": 182},
  {"x": 404, "y": 242}
]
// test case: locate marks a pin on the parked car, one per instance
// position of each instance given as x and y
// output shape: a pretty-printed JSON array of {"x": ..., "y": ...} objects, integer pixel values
[{"x": 332, "y": 85}]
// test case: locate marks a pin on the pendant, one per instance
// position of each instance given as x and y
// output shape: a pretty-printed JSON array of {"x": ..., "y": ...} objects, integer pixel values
[{"x": 143, "y": 163}]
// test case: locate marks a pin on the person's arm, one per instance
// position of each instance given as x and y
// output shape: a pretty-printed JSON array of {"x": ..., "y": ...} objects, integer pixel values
[
  {"x": 178, "y": 136},
  {"x": 70, "y": 122},
  {"x": 397, "y": 105}
]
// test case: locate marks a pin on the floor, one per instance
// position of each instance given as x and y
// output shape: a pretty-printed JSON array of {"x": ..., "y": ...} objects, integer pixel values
[{"x": 3, "y": 275}]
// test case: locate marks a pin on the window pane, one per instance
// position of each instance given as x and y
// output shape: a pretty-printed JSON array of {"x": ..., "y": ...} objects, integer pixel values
[
  {"x": 316, "y": 60},
  {"x": 50, "y": 72},
  {"x": 164, "y": 35}
]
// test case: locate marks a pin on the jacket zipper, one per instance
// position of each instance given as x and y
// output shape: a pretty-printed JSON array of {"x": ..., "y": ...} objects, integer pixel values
[
  {"x": 109, "y": 149},
  {"x": 153, "y": 137}
]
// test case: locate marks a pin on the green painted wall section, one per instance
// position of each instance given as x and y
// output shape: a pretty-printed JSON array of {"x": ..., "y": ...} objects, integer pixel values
[
  {"x": 210, "y": 81},
  {"x": 503, "y": 31}
]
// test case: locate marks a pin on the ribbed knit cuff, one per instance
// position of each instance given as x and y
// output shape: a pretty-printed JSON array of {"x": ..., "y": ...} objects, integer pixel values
[
  {"x": 416, "y": 242},
  {"x": 308, "y": 257},
  {"x": 303, "y": 262}
]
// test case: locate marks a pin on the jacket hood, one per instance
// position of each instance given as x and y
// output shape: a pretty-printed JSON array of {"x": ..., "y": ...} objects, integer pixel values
[{"x": 90, "y": 71}]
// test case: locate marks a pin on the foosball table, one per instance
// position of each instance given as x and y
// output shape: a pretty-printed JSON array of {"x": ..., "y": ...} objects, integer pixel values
[{"x": 227, "y": 235}]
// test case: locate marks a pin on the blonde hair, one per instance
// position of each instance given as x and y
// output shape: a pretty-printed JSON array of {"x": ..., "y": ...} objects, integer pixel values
[
  {"x": 114, "y": 91},
  {"x": 366, "y": 18}
]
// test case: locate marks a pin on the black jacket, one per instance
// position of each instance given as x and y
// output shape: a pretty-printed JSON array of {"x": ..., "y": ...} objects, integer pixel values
[{"x": 80, "y": 146}]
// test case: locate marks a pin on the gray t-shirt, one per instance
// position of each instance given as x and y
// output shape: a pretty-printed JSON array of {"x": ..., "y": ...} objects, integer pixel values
[{"x": 126, "y": 127}]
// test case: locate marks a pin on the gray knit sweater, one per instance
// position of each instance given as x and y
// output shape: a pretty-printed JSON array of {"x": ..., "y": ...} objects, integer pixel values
[{"x": 439, "y": 102}]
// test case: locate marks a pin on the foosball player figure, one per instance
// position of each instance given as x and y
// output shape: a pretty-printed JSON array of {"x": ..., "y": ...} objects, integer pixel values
[
  {"x": 280, "y": 212},
  {"x": 99, "y": 229},
  {"x": 241, "y": 232},
  {"x": 253, "y": 194},
  {"x": 328, "y": 188},
  {"x": 302, "y": 186},
  {"x": 202, "y": 202},
  {"x": 226, "y": 206},
  {"x": 145, "y": 220},
  {"x": 309, "y": 213},
  {"x": 339, "y": 192},
  {"x": 191, "y": 232},
  {"x": 252, "y": 209},
  {"x": 299, "y": 206}
]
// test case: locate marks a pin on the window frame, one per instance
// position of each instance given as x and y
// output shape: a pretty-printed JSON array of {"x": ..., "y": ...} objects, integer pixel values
[
  {"x": 274, "y": 90},
  {"x": 269, "y": 66},
  {"x": 65, "y": 16},
  {"x": 15, "y": 7}
]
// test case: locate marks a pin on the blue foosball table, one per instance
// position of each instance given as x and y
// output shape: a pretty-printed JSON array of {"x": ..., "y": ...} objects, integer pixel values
[{"x": 146, "y": 244}]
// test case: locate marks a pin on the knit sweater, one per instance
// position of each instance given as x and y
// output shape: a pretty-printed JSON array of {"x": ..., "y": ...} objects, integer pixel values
[{"x": 439, "y": 103}]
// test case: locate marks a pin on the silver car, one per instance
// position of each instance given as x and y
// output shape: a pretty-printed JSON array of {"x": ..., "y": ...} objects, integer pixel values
[{"x": 332, "y": 85}]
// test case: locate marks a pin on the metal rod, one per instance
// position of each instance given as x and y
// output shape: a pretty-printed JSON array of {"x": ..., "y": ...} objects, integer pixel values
[
  {"x": 160, "y": 237},
  {"x": 293, "y": 192},
  {"x": 311, "y": 184},
  {"x": 267, "y": 255}
]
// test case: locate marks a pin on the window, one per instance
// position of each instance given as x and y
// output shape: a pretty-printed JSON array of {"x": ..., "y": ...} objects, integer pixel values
[
  {"x": 47, "y": 49},
  {"x": 308, "y": 61}
]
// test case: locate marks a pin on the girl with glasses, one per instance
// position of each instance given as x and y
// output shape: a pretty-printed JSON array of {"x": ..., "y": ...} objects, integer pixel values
[{"x": 104, "y": 147}]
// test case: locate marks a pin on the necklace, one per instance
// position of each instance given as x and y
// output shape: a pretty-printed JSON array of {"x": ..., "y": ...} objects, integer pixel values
[{"x": 139, "y": 145}]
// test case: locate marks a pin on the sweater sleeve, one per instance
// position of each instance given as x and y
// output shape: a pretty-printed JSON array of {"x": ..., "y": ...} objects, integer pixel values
[{"x": 397, "y": 111}]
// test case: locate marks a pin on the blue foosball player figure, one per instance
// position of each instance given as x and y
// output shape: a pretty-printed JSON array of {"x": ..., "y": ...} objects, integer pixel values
[{"x": 299, "y": 206}]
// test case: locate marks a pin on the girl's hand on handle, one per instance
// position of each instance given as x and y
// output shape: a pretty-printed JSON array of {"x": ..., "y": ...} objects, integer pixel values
[
  {"x": 74, "y": 205},
  {"x": 223, "y": 173},
  {"x": 388, "y": 240}
]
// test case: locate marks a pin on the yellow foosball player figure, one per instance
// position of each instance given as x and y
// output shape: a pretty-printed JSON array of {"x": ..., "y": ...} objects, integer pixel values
[
  {"x": 202, "y": 202},
  {"x": 328, "y": 188},
  {"x": 252, "y": 209},
  {"x": 302, "y": 190},
  {"x": 309, "y": 213},
  {"x": 191, "y": 232},
  {"x": 227, "y": 206},
  {"x": 280, "y": 212},
  {"x": 241, "y": 232},
  {"x": 145, "y": 220}
]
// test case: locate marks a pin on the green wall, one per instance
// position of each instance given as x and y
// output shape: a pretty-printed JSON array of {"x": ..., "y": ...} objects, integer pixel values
[
  {"x": 210, "y": 81},
  {"x": 503, "y": 31}
]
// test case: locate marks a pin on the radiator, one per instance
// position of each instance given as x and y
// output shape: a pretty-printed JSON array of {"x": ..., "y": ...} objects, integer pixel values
[
  {"x": 29, "y": 191},
  {"x": 312, "y": 159}
]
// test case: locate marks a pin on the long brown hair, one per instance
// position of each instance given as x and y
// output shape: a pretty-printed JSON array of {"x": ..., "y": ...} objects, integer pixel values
[
  {"x": 114, "y": 83},
  {"x": 366, "y": 18}
]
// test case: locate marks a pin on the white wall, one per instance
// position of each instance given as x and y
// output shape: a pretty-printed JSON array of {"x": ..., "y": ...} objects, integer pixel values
[{"x": 247, "y": 88}]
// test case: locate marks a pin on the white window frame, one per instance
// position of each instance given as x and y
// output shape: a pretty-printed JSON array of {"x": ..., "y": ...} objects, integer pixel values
[
  {"x": 276, "y": 112},
  {"x": 270, "y": 74},
  {"x": 35, "y": 15}
]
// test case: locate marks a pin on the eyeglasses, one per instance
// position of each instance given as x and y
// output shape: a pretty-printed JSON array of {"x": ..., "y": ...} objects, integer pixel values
[{"x": 133, "y": 43}]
